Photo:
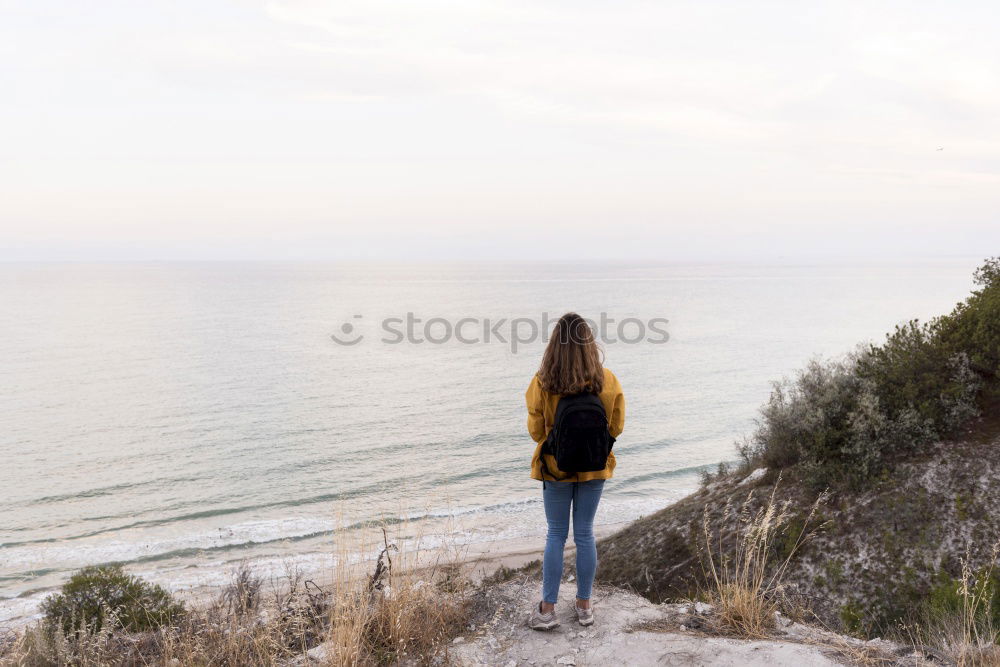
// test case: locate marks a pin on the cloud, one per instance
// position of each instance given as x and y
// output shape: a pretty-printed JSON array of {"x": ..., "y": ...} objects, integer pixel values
[
  {"x": 284, "y": 117},
  {"x": 741, "y": 72}
]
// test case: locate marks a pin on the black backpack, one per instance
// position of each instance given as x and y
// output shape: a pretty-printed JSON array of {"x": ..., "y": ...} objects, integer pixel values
[{"x": 579, "y": 439}]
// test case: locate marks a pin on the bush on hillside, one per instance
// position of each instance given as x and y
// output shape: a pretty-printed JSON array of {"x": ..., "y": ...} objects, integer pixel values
[
  {"x": 974, "y": 326},
  {"x": 919, "y": 380},
  {"x": 808, "y": 414},
  {"x": 844, "y": 422},
  {"x": 960, "y": 616},
  {"x": 97, "y": 594},
  {"x": 951, "y": 597}
]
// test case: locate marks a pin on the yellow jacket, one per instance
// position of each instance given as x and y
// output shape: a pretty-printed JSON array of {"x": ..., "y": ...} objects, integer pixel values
[{"x": 541, "y": 418}]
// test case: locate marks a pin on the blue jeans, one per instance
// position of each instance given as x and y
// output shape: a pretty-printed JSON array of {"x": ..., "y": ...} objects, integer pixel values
[{"x": 562, "y": 499}]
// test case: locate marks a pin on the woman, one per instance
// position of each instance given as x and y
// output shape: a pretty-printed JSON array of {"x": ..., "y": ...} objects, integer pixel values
[{"x": 571, "y": 365}]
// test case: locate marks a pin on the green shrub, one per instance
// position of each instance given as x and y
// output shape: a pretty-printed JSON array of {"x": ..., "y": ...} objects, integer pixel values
[
  {"x": 948, "y": 596},
  {"x": 912, "y": 373},
  {"x": 807, "y": 420},
  {"x": 973, "y": 328},
  {"x": 853, "y": 619},
  {"x": 843, "y": 423},
  {"x": 97, "y": 594}
]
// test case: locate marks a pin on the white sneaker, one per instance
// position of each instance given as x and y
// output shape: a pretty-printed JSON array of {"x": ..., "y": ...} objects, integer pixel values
[
  {"x": 585, "y": 616},
  {"x": 542, "y": 621}
]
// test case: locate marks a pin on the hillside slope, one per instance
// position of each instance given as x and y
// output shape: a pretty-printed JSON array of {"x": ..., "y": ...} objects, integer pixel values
[{"x": 879, "y": 554}]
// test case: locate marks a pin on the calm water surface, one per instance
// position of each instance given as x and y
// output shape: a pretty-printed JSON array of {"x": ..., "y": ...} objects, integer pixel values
[{"x": 181, "y": 417}]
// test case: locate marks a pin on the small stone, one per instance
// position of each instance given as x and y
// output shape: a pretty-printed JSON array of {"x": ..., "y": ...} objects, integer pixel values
[
  {"x": 566, "y": 660},
  {"x": 702, "y": 608},
  {"x": 570, "y": 578},
  {"x": 317, "y": 654},
  {"x": 458, "y": 640},
  {"x": 753, "y": 477},
  {"x": 878, "y": 642}
]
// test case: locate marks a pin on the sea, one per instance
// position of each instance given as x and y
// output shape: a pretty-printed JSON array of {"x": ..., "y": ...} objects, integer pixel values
[{"x": 182, "y": 418}]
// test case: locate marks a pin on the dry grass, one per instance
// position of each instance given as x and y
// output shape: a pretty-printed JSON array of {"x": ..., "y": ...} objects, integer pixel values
[
  {"x": 965, "y": 632},
  {"x": 381, "y": 615},
  {"x": 743, "y": 578},
  {"x": 400, "y": 613}
]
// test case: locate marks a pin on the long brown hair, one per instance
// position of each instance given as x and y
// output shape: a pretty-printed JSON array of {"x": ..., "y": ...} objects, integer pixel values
[{"x": 572, "y": 361}]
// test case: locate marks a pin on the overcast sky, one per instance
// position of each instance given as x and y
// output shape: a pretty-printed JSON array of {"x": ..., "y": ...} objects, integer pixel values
[{"x": 490, "y": 129}]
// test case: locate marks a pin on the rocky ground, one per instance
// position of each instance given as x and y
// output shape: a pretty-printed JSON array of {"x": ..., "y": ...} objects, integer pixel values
[{"x": 631, "y": 630}]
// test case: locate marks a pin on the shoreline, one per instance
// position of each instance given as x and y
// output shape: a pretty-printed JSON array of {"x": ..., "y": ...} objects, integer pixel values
[{"x": 476, "y": 560}]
